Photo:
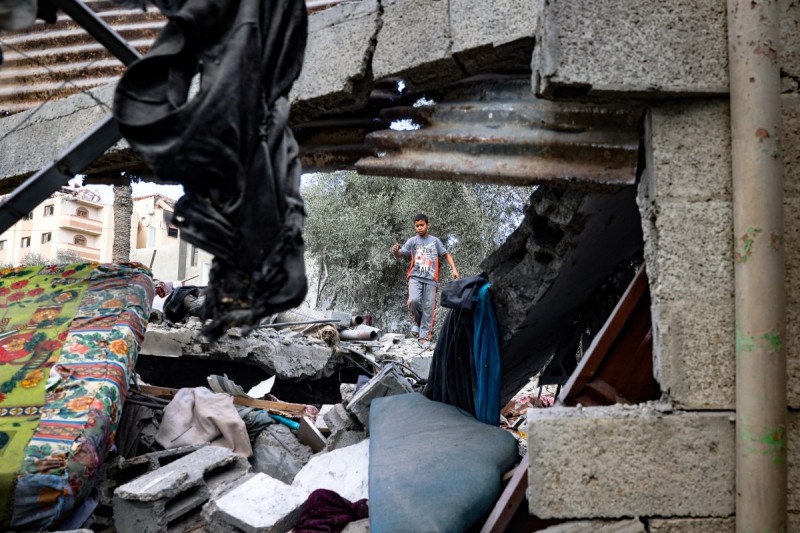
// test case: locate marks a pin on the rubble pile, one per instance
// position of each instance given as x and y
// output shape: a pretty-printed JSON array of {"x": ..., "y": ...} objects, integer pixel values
[{"x": 300, "y": 453}]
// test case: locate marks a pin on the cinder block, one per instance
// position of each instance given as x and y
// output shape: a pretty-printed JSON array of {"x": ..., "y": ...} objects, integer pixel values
[
  {"x": 169, "y": 499},
  {"x": 388, "y": 382},
  {"x": 424, "y": 59},
  {"x": 260, "y": 504},
  {"x": 640, "y": 46},
  {"x": 119, "y": 471},
  {"x": 694, "y": 342},
  {"x": 634, "y": 525},
  {"x": 620, "y": 461},
  {"x": 692, "y": 525}
]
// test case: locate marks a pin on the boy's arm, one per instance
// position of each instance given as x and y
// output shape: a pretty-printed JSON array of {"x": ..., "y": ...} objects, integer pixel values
[{"x": 449, "y": 259}]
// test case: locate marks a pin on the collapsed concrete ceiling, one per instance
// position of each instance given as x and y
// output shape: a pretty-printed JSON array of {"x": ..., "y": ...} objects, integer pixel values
[{"x": 480, "y": 122}]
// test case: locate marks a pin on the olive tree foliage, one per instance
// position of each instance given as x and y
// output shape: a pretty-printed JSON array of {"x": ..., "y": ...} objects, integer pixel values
[{"x": 354, "y": 220}]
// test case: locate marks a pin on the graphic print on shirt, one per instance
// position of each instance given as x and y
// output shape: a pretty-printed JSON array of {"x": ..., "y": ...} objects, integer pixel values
[{"x": 425, "y": 258}]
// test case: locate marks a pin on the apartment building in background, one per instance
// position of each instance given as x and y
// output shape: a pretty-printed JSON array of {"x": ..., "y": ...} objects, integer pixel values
[
  {"x": 75, "y": 220},
  {"x": 71, "y": 220}
]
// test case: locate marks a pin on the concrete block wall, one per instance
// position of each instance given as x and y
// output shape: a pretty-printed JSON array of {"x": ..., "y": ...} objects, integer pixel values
[
  {"x": 643, "y": 461},
  {"x": 685, "y": 198}
]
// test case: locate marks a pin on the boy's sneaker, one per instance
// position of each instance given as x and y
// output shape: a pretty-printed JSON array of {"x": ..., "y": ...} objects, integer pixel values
[
  {"x": 415, "y": 331},
  {"x": 425, "y": 345}
]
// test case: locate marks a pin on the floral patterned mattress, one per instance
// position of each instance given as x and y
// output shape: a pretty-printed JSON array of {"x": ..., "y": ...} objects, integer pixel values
[{"x": 69, "y": 338}]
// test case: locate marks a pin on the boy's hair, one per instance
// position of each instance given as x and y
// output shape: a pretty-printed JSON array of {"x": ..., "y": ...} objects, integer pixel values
[{"x": 421, "y": 216}]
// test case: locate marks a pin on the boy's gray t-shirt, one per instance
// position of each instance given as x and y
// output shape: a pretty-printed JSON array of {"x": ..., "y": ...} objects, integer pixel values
[{"x": 424, "y": 255}]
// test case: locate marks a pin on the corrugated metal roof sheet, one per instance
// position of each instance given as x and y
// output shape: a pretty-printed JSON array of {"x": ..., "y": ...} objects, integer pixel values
[{"x": 50, "y": 61}]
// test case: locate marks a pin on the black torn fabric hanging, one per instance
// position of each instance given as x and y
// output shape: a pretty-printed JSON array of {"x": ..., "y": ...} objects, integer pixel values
[{"x": 229, "y": 145}]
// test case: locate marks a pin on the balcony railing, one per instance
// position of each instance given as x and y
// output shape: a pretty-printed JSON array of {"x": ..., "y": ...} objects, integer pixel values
[
  {"x": 87, "y": 252},
  {"x": 91, "y": 226}
]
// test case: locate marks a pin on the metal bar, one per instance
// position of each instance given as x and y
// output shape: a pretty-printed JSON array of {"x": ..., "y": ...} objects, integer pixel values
[
  {"x": 282, "y": 324},
  {"x": 759, "y": 271},
  {"x": 98, "y": 29},
  {"x": 47, "y": 181}
]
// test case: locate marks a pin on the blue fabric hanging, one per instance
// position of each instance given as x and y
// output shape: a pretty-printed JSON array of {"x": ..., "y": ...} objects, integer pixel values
[{"x": 487, "y": 359}]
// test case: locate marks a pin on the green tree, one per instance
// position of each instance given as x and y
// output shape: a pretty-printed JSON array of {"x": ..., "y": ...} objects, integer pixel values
[{"x": 353, "y": 221}]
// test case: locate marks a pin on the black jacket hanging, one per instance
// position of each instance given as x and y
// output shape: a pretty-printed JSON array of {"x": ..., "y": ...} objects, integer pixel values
[{"x": 229, "y": 145}]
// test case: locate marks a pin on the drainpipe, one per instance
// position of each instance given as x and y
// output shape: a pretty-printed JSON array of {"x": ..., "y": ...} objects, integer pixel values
[{"x": 760, "y": 283}]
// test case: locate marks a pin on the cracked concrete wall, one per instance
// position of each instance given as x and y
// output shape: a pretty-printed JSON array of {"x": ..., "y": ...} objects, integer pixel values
[
  {"x": 686, "y": 202},
  {"x": 32, "y": 139}
]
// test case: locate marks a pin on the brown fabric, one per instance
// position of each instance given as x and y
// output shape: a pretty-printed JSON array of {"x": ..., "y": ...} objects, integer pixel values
[{"x": 199, "y": 415}]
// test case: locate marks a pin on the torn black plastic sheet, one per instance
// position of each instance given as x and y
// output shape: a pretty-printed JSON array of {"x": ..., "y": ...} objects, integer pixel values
[{"x": 229, "y": 146}]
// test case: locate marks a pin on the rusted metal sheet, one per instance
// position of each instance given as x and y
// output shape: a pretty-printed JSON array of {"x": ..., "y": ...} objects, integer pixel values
[
  {"x": 50, "y": 61},
  {"x": 496, "y": 131},
  {"x": 334, "y": 144}
]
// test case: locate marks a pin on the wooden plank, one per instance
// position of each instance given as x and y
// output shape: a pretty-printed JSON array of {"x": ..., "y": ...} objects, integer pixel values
[
  {"x": 509, "y": 500},
  {"x": 605, "y": 337},
  {"x": 290, "y": 409}
]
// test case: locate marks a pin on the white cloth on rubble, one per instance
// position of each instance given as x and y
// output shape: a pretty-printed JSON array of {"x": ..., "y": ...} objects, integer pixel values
[{"x": 197, "y": 415}]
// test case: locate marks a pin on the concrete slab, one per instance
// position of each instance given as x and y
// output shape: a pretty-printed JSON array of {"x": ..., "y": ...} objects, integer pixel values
[
  {"x": 336, "y": 68},
  {"x": 260, "y": 504},
  {"x": 608, "y": 462},
  {"x": 414, "y": 44},
  {"x": 32, "y": 139},
  {"x": 343, "y": 471},
  {"x": 642, "y": 46},
  {"x": 388, "y": 382}
]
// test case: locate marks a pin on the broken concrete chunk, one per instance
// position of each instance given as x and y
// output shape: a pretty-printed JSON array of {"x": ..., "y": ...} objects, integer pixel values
[
  {"x": 260, "y": 504},
  {"x": 289, "y": 356},
  {"x": 279, "y": 454},
  {"x": 308, "y": 434},
  {"x": 338, "y": 419},
  {"x": 343, "y": 471},
  {"x": 388, "y": 382},
  {"x": 169, "y": 499}
]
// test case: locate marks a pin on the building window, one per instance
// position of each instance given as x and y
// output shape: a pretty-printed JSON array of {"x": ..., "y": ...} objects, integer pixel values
[
  {"x": 46, "y": 237},
  {"x": 195, "y": 255},
  {"x": 26, "y": 241},
  {"x": 29, "y": 216},
  {"x": 2, "y": 245},
  {"x": 172, "y": 231},
  {"x": 80, "y": 240},
  {"x": 48, "y": 210},
  {"x": 82, "y": 212}
]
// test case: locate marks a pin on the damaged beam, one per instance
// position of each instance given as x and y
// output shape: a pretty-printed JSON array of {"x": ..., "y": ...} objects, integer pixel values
[{"x": 493, "y": 130}]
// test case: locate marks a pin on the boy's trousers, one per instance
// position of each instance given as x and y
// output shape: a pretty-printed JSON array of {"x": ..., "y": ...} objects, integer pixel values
[{"x": 422, "y": 303}]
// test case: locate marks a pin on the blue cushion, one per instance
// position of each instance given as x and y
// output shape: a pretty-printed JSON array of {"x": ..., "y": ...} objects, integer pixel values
[{"x": 432, "y": 466}]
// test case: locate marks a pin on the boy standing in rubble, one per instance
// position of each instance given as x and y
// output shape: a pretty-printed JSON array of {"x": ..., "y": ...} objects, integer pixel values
[{"x": 424, "y": 250}]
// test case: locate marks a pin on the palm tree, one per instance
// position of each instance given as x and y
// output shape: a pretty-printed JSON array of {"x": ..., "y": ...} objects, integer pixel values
[{"x": 123, "y": 211}]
